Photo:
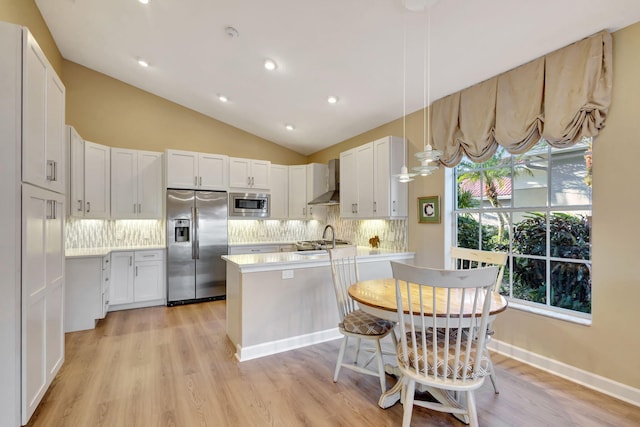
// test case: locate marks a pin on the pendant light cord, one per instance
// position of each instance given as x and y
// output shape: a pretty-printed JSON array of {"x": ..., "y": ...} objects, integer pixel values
[
  {"x": 404, "y": 87},
  {"x": 427, "y": 83}
]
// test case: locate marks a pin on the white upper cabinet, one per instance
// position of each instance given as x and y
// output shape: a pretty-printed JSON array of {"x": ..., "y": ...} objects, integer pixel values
[
  {"x": 43, "y": 143},
  {"x": 298, "y": 192},
  {"x": 89, "y": 177},
  {"x": 356, "y": 182},
  {"x": 390, "y": 195},
  {"x": 249, "y": 174},
  {"x": 75, "y": 179},
  {"x": 97, "y": 180},
  {"x": 365, "y": 194},
  {"x": 136, "y": 184},
  {"x": 213, "y": 171},
  {"x": 306, "y": 182},
  {"x": 198, "y": 171},
  {"x": 279, "y": 192},
  {"x": 348, "y": 184},
  {"x": 317, "y": 184}
]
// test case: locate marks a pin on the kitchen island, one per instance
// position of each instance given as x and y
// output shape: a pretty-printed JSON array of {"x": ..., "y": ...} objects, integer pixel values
[{"x": 285, "y": 300}]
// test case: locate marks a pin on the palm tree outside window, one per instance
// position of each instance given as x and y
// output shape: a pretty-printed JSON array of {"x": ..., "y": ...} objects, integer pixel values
[{"x": 537, "y": 207}]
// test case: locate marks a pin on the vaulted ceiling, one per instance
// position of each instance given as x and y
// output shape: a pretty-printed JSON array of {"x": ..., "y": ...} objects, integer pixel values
[{"x": 370, "y": 54}]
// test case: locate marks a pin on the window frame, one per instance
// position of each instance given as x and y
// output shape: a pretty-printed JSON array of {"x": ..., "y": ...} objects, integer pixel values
[{"x": 478, "y": 212}]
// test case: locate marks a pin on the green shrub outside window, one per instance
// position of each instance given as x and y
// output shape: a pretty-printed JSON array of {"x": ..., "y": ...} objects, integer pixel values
[{"x": 537, "y": 207}]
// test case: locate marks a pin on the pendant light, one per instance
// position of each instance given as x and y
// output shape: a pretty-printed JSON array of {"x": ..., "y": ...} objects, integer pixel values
[
  {"x": 429, "y": 157},
  {"x": 404, "y": 175}
]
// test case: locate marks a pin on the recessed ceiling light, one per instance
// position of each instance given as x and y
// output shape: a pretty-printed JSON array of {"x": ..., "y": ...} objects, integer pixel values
[
  {"x": 222, "y": 98},
  {"x": 289, "y": 127},
  {"x": 270, "y": 64},
  {"x": 144, "y": 1},
  {"x": 332, "y": 99},
  {"x": 143, "y": 63}
]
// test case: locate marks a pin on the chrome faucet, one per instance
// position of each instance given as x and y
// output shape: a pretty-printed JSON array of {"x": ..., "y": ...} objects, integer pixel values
[{"x": 333, "y": 234}]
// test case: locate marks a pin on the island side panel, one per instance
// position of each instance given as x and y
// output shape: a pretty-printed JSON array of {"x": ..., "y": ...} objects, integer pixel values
[
  {"x": 234, "y": 304},
  {"x": 274, "y": 308}
]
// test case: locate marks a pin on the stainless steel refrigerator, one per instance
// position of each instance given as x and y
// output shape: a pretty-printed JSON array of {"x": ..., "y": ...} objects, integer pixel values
[{"x": 196, "y": 240}]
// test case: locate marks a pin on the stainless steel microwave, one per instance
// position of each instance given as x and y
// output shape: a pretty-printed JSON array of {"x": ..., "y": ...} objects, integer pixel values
[{"x": 252, "y": 205}]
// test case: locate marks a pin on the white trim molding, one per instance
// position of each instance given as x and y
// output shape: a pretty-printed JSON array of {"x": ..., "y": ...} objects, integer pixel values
[
  {"x": 268, "y": 348},
  {"x": 588, "y": 379}
]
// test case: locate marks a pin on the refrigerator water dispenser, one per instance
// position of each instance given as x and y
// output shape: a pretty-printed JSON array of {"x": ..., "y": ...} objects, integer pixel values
[{"x": 182, "y": 230}]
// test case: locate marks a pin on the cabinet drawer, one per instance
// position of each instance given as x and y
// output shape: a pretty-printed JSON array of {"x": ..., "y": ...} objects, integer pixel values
[
  {"x": 258, "y": 249},
  {"x": 149, "y": 255}
]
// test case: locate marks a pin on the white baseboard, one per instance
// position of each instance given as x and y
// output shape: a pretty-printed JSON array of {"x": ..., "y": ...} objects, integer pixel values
[
  {"x": 273, "y": 347},
  {"x": 593, "y": 381}
]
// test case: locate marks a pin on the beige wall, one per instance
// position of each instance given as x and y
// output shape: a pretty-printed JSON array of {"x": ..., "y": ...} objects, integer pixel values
[
  {"x": 610, "y": 346},
  {"x": 26, "y": 13}
]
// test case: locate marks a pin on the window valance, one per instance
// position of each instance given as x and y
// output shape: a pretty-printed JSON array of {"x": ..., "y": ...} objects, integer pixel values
[{"x": 562, "y": 97}]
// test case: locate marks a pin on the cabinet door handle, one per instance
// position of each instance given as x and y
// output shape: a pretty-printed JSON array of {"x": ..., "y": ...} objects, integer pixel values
[
  {"x": 134, "y": 208},
  {"x": 394, "y": 206},
  {"x": 88, "y": 207},
  {"x": 49, "y": 207},
  {"x": 130, "y": 261},
  {"x": 248, "y": 180},
  {"x": 106, "y": 279},
  {"x": 139, "y": 208},
  {"x": 304, "y": 211},
  {"x": 195, "y": 180},
  {"x": 50, "y": 170},
  {"x": 200, "y": 180},
  {"x": 55, "y": 170},
  {"x": 375, "y": 207},
  {"x": 136, "y": 271},
  {"x": 55, "y": 209},
  {"x": 310, "y": 210},
  {"x": 79, "y": 205}
]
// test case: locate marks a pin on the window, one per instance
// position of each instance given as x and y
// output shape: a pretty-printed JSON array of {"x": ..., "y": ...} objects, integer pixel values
[{"x": 537, "y": 207}]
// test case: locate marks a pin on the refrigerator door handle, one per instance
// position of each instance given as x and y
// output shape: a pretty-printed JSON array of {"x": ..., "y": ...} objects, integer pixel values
[
  {"x": 197, "y": 228},
  {"x": 194, "y": 231}
]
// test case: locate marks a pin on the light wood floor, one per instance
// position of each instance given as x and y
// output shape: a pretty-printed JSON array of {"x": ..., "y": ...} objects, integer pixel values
[{"x": 175, "y": 367}]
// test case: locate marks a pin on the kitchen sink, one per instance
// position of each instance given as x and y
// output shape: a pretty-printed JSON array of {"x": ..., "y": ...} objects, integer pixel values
[
  {"x": 316, "y": 253},
  {"x": 311, "y": 245}
]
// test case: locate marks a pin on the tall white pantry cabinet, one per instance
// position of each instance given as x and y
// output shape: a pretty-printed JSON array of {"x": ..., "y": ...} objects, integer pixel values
[{"x": 32, "y": 185}]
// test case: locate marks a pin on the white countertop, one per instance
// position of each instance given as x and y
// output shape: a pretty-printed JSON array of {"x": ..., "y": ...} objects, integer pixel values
[
  {"x": 100, "y": 252},
  {"x": 305, "y": 259}
]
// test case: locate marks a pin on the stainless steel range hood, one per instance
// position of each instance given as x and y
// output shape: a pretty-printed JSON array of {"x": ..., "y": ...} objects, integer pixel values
[{"x": 331, "y": 197}]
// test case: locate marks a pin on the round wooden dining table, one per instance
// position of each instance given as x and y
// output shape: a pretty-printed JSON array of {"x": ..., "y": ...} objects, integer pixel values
[{"x": 378, "y": 297}]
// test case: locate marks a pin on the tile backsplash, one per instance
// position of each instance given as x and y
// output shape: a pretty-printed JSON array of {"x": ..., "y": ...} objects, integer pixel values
[
  {"x": 93, "y": 233},
  {"x": 84, "y": 233},
  {"x": 392, "y": 233}
]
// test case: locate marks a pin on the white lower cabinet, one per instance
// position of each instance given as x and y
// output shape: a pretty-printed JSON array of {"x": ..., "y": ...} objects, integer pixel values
[
  {"x": 87, "y": 291},
  {"x": 148, "y": 281},
  {"x": 137, "y": 279},
  {"x": 121, "y": 278}
]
